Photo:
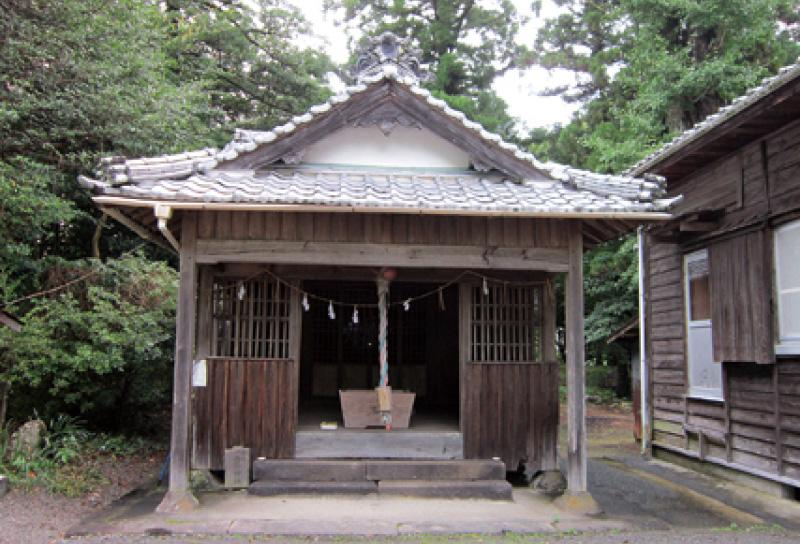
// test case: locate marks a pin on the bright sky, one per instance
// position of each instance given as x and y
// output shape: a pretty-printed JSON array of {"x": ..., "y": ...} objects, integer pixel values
[{"x": 518, "y": 88}]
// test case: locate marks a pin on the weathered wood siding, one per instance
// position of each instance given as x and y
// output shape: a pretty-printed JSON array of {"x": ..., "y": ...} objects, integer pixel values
[
  {"x": 666, "y": 341},
  {"x": 511, "y": 413},
  {"x": 759, "y": 181},
  {"x": 381, "y": 228},
  {"x": 757, "y": 427},
  {"x": 741, "y": 309},
  {"x": 246, "y": 402}
]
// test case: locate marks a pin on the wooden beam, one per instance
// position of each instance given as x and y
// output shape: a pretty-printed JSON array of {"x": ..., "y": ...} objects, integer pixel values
[
  {"x": 698, "y": 226},
  {"x": 401, "y": 255},
  {"x": 576, "y": 397},
  {"x": 355, "y": 273},
  {"x": 135, "y": 227},
  {"x": 179, "y": 497}
]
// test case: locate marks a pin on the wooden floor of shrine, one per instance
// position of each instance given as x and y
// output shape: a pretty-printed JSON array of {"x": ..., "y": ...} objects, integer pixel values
[{"x": 430, "y": 435}]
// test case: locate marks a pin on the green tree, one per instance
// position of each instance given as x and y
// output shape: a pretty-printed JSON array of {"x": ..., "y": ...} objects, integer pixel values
[
  {"x": 87, "y": 78},
  {"x": 101, "y": 349},
  {"x": 467, "y": 45},
  {"x": 245, "y": 56},
  {"x": 652, "y": 68}
]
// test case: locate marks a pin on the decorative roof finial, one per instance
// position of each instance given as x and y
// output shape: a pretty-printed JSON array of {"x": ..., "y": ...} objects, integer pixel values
[{"x": 387, "y": 51}]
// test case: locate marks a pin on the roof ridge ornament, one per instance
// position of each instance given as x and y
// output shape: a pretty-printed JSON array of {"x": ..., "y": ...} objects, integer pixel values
[{"x": 389, "y": 53}]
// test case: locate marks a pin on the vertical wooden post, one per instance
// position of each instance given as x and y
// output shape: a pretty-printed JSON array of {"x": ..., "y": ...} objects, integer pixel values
[
  {"x": 576, "y": 397},
  {"x": 464, "y": 346},
  {"x": 577, "y": 498},
  {"x": 549, "y": 309},
  {"x": 179, "y": 497},
  {"x": 295, "y": 354}
]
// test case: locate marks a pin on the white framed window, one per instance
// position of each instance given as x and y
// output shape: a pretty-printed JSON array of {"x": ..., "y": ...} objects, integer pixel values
[
  {"x": 787, "y": 288},
  {"x": 705, "y": 375}
]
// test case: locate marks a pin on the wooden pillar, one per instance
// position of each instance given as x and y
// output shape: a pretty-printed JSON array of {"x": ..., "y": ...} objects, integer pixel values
[
  {"x": 576, "y": 397},
  {"x": 549, "y": 308},
  {"x": 179, "y": 497}
]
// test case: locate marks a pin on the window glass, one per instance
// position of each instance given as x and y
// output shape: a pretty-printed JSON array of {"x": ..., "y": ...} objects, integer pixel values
[
  {"x": 787, "y": 282},
  {"x": 699, "y": 289},
  {"x": 705, "y": 375}
]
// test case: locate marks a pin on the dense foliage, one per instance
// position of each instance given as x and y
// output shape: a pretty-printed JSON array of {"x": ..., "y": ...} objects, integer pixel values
[
  {"x": 88, "y": 78},
  {"x": 101, "y": 348},
  {"x": 648, "y": 69}
]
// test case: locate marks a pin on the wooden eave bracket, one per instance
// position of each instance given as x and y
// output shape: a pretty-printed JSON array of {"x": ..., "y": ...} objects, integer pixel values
[
  {"x": 144, "y": 233},
  {"x": 163, "y": 214},
  {"x": 701, "y": 221}
]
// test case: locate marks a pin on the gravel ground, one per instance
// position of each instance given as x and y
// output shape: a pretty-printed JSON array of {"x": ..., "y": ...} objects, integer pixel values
[
  {"x": 38, "y": 517},
  {"x": 752, "y": 536}
]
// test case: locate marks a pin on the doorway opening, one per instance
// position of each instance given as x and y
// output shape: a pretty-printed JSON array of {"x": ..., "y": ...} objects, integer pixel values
[{"x": 339, "y": 353}]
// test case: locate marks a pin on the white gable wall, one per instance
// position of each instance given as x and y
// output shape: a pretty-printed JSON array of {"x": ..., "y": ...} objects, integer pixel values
[{"x": 403, "y": 147}]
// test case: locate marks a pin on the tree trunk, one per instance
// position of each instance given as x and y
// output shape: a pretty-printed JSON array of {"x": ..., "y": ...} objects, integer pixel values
[
  {"x": 98, "y": 234},
  {"x": 5, "y": 387}
]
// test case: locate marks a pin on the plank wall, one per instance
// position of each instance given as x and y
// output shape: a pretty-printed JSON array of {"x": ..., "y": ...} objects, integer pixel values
[
  {"x": 246, "y": 402},
  {"x": 757, "y": 428},
  {"x": 511, "y": 412},
  {"x": 381, "y": 228}
]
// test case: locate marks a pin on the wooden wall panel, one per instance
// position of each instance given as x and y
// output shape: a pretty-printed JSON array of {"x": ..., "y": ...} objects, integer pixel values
[
  {"x": 511, "y": 412},
  {"x": 246, "y": 402},
  {"x": 758, "y": 425},
  {"x": 741, "y": 300},
  {"x": 665, "y": 330},
  {"x": 758, "y": 181},
  {"x": 382, "y": 228}
]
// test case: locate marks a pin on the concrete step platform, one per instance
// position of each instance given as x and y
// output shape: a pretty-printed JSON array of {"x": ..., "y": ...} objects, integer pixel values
[
  {"x": 268, "y": 488},
  {"x": 439, "y": 489},
  {"x": 449, "y": 489},
  {"x": 327, "y": 470}
]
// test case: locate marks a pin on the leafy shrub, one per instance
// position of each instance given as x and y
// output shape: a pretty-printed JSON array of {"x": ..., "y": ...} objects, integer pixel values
[
  {"x": 68, "y": 459},
  {"x": 100, "y": 350}
]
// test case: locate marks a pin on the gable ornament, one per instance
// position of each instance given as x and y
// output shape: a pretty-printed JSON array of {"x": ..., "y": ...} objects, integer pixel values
[
  {"x": 387, "y": 50},
  {"x": 387, "y": 119}
]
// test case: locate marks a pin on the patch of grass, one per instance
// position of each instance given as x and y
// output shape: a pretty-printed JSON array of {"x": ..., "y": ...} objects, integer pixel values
[
  {"x": 760, "y": 528},
  {"x": 68, "y": 459}
]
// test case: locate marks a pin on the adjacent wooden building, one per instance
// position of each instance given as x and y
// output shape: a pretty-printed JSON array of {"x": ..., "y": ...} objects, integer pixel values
[
  {"x": 285, "y": 237},
  {"x": 722, "y": 289}
]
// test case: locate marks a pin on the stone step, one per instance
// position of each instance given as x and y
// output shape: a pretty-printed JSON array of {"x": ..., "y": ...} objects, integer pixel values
[
  {"x": 326, "y": 470},
  {"x": 447, "y": 489},
  {"x": 309, "y": 470},
  {"x": 472, "y": 469},
  {"x": 268, "y": 488},
  {"x": 360, "y": 444}
]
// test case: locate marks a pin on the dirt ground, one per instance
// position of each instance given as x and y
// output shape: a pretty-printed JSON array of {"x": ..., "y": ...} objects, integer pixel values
[
  {"x": 37, "y": 517},
  {"x": 609, "y": 429}
]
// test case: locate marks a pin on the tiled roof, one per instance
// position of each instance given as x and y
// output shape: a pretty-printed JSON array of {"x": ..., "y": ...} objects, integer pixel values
[
  {"x": 194, "y": 176},
  {"x": 467, "y": 191},
  {"x": 769, "y": 85}
]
